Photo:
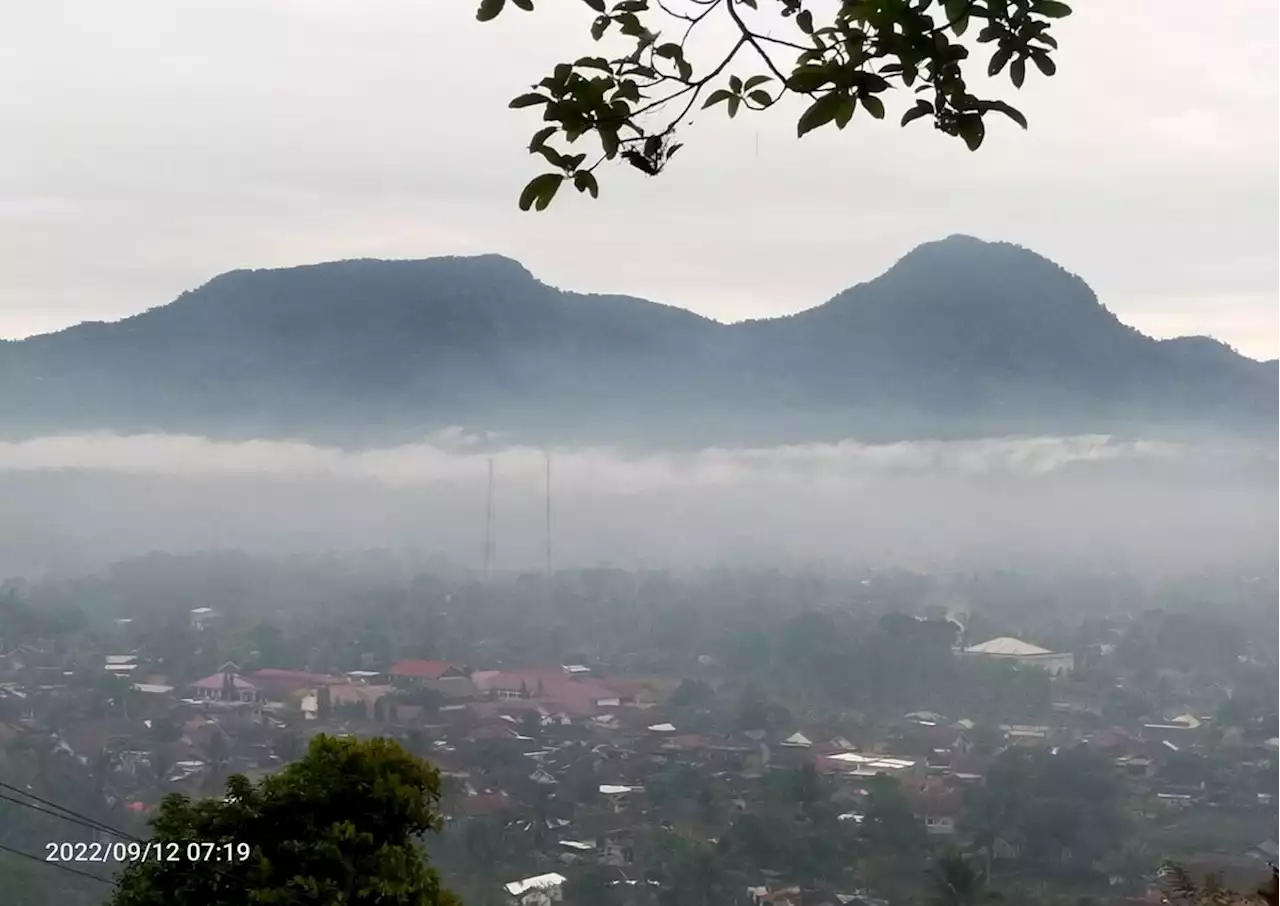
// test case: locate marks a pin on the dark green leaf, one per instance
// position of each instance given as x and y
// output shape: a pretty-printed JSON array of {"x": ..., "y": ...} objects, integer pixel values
[
  {"x": 804, "y": 19},
  {"x": 1051, "y": 9},
  {"x": 669, "y": 50},
  {"x": 671, "y": 151},
  {"x": 1018, "y": 73},
  {"x": 629, "y": 25},
  {"x": 597, "y": 5},
  {"x": 846, "y": 110},
  {"x": 526, "y": 5},
  {"x": 528, "y": 100},
  {"x": 971, "y": 128},
  {"x": 599, "y": 26},
  {"x": 599, "y": 63},
  {"x": 716, "y": 97},
  {"x": 922, "y": 108},
  {"x": 733, "y": 104},
  {"x": 554, "y": 157},
  {"x": 806, "y": 79},
  {"x": 538, "y": 188},
  {"x": 957, "y": 13},
  {"x": 489, "y": 9},
  {"x": 820, "y": 112},
  {"x": 999, "y": 60},
  {"x": 1044, "y": 63},
  {"x": 1011, "y": 112},
  {"x": 735, "y": 84},
  {"x": 584, "y": 181},
  {"x": 874, "y": 105},
  {"x": 548, "y": 192},
  {"x": 755, "y": 81},
  {"x": 760, "y": 97},
  {"x": 685, "y": 69},
  {"x": 535, "y": 188},
  {"x": 608, "y": 141},
  {"x": 540, "y": 137}
]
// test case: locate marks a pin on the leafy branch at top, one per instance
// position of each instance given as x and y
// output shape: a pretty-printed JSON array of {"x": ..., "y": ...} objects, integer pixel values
[{"x": 632, "y": 104}]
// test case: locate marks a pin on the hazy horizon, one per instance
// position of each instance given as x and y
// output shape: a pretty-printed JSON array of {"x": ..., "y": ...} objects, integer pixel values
[{"x": 78, "y": 502}]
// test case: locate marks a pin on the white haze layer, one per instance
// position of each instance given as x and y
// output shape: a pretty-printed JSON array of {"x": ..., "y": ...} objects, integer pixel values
[{"x": 75, "y": 502}]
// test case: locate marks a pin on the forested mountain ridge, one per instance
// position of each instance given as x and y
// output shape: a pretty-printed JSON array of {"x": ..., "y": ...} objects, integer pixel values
[{"x": 960, "y": 337}]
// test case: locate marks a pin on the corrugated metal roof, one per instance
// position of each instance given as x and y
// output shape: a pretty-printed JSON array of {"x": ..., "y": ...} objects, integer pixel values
[
  {"x": 1008, "y": 647},
  {"x": 516, "y": 888}
]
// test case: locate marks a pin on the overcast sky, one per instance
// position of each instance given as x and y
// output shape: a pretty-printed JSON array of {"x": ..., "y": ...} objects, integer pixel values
[{"x": 151, "y": 144}]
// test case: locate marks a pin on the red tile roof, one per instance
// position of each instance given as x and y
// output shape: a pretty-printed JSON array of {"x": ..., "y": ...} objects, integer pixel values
[
  {"x": 575, "y": 695},
  {"x": 431, "y": 670}
]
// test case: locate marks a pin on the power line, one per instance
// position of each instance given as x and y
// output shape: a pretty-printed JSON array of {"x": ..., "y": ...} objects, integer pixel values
[
  {"x": 57, "y": 865},
  {"x": 90, "y": 822},
  {"x": 93, "y": 824},
  {"x": 73, "y": 820}
]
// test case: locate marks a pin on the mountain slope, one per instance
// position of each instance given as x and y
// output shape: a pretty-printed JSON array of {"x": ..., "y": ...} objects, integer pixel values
[
  {"x": 959, "y": 337},
  {"x": 973, "y": 330}
]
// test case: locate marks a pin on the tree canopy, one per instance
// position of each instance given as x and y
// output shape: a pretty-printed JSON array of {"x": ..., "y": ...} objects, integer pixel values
[
  {"x": 339, "y": 827},
  {"x": 837, "y": 58}
]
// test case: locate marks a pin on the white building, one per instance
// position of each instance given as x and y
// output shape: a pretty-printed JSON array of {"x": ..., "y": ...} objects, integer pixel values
[
  {"x": 1025, "y": 654},
  {"x": 541, "y": 890}
]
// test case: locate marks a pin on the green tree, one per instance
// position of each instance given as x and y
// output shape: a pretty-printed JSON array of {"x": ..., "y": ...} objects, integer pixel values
[
  {"x": 956, "y": 882},
  {"x": 692, "y": 872},
  {"x": 590, "y": 887},
  {"x": 339, "y": 827},
  {"x": 838, "y": 57},
  {"x": 894, "y": 840},
  {"x": 1061, "y": 808}
]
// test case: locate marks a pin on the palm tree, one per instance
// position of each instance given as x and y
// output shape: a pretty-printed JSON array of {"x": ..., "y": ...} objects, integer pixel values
[{"x": 957, "y": 883}]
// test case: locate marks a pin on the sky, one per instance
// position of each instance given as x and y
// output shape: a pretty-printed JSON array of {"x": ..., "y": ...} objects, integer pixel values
[{"x": 152, "y": 144}]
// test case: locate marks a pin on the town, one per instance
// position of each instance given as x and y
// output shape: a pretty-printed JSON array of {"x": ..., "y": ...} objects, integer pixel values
[{"x": 643, "y": 737}]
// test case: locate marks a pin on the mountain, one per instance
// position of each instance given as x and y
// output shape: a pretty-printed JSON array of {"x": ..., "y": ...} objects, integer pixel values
[{"x": 960, "y": 337}]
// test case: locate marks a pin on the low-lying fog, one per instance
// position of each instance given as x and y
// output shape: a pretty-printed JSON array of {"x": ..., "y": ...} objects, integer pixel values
[{"x": 75, "y": 503}]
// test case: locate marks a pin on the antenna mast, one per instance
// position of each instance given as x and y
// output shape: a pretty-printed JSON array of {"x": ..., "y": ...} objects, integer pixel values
[
  {"x": 548, "y": 514},
  {"x": 488, "y": 525}
]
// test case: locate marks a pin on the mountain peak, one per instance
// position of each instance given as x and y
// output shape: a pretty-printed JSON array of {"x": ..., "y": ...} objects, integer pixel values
[
  {"x": 486, "y": 265},
  {"x": 961, "y": 334}
]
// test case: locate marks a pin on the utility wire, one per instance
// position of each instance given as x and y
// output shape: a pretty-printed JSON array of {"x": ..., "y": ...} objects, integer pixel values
[
  {"x": 57, "y": 865},
  {"x": 74, "y": 820},
  {"x": 83, "y": 819},
  {"x": 75, "y": 817}
]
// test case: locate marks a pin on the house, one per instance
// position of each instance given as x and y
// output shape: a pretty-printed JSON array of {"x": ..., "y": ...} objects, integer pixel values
[
  {"x": 1024, "y": 654},
  {"x": 412, "y": 671},
  {"x": 276, "y": 684},
  {"x": 368, "y": 699},
  {"x": 201, "y": 617},
  {"x": 121, "y": 664},
  {"x": 856, "y": 764},
  {"x": 1181, "y": 730},
  {"x": 227, "y": 685},
  {"x": 939, "y": 804},
  {"x": 562, "y": 693},
  {"x": 540, "y": 890},
  {"x": 617, "y": 796}
]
